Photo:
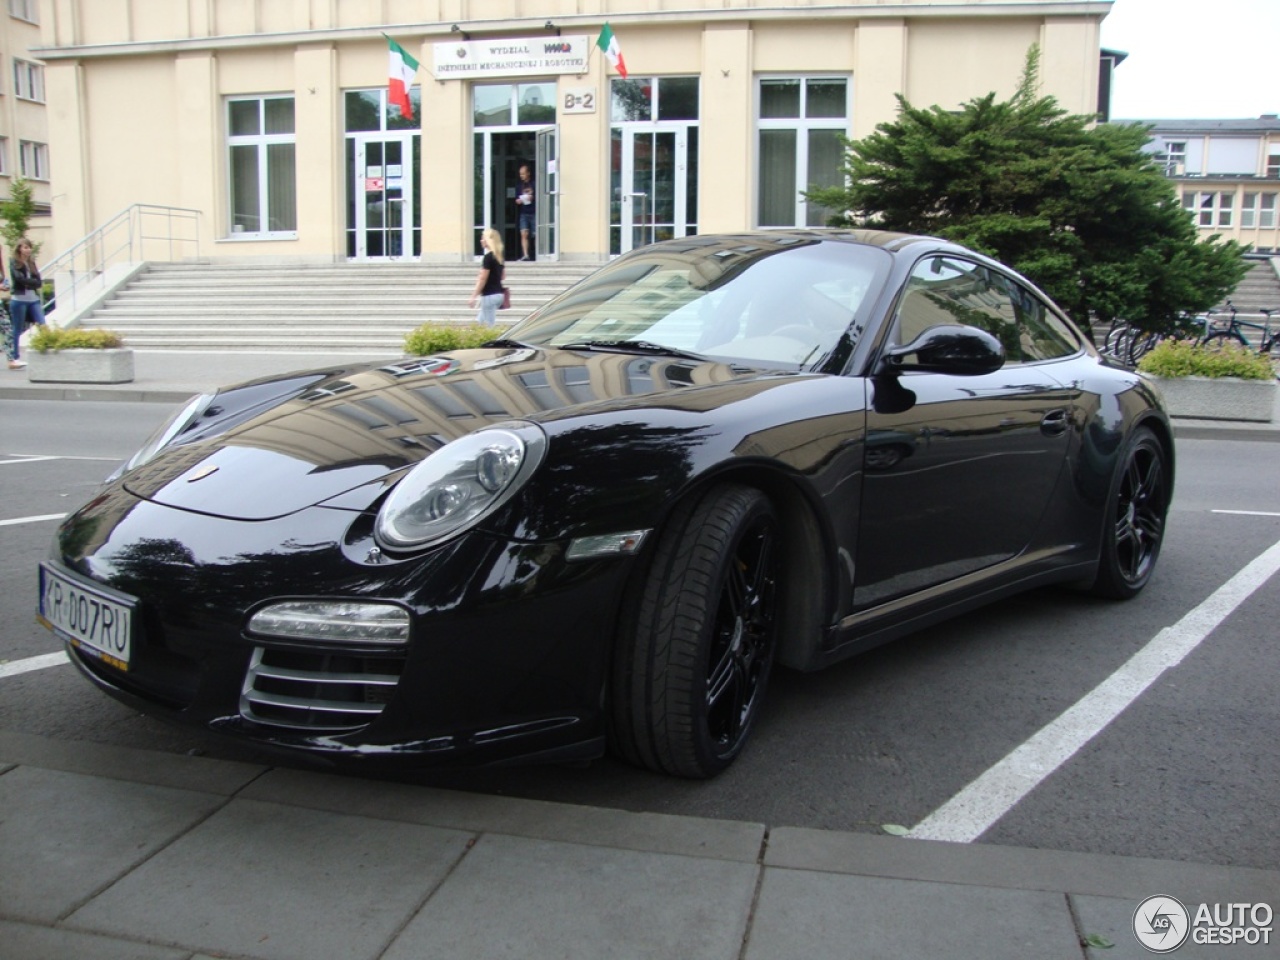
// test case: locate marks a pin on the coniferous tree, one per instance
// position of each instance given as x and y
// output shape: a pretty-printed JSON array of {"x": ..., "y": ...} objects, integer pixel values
[{"x": 1079, "y": 209}]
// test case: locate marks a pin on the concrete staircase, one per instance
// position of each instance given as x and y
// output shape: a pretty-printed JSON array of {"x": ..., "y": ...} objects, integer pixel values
[
  {"x": 1260, "y": 288},
  {"x": 349, "y": 308}
]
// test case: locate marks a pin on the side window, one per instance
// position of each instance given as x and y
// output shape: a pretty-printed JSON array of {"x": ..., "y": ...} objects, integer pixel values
[
  {"x": 947, "y": 290},
  {"x": 1042, "y": 335}
]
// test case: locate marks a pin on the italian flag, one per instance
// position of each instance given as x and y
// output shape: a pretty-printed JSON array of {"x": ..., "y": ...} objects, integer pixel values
[
  {"x": 402, "y": 67},
  {"x": 612, "y": 51}
]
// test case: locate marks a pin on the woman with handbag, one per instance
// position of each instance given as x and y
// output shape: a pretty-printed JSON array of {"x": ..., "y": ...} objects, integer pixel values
[
  {"x": 26, "y": 306},
  {"x": 489, "y": 289}
]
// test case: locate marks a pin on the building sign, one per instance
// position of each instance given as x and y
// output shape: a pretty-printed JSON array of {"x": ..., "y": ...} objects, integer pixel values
[
  {"x": 578, "y": 100},
  {"x": 464, "y": 59}
]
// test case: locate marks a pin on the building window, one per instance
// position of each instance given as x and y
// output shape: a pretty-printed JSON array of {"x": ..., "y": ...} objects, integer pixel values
[
  {"x": 28, "y": 10},
  {"x": 802, "y": 121},
  {"x": 1258, "y": 210},
  {"x": 28, "y": 80},
  {"x": 1210, "y": 209},
  {"x": 33, "y": 160},
  {"x": 1175, "y": 158},
  {"x": 513, "y": 104},
  {"x": 4, "y": 156},
  {"x": 263, "y": 188},
  {"x": 1273, "y": 162}
]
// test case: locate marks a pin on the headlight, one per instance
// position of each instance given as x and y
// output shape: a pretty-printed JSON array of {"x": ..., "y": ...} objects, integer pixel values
[
  {"x": 183, "y": 419},
  {"x": 459, "y": 485}
]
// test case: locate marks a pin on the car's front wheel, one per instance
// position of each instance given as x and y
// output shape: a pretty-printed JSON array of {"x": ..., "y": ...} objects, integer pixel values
[
  {"x": 1134, "y": 526},
  {"x": 692, "y": 664}
]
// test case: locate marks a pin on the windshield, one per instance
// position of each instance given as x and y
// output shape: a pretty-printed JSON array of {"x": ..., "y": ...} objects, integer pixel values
[{"x": 759, "y": 300}]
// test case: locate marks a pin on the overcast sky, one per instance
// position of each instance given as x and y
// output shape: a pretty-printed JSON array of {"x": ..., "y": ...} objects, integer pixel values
[{"x": 1195, "y": 60}]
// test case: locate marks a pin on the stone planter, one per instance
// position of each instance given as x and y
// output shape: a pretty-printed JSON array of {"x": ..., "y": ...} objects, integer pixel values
[
  {"x": 80, "y": 366},
  {"x": 1224, "y": 398}
]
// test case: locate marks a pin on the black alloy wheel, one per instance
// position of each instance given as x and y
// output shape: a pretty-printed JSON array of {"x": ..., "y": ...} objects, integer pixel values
[
  {"x": 692, "y": 665},
  {"x": 1135, "y": 523}
]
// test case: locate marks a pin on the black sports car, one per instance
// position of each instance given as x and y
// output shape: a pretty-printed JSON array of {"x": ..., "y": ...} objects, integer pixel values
[{"x": 714, "y": 455}]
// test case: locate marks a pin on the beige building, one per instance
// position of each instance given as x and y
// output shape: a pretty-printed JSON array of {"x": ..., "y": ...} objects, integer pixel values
[
  {"x": 1227, "y": 174},
  {"x": 271, "y": 119},
  {"x": 24, "y": 130}
]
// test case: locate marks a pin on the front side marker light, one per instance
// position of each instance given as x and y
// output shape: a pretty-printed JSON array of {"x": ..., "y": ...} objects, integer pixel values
[
  {"x": 333, "y": 621},
  {"x": 606, "y": 545}
]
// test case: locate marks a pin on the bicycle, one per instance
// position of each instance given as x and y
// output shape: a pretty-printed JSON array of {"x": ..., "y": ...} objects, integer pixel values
[
  {"x": 1127, "y": 343},
  {"x": 1218, "y": 332}
]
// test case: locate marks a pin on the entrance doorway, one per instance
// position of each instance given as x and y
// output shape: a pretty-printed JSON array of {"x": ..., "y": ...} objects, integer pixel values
[
  {"x": 383, "y": 177},
  {"x": 654, "y": 184},
  {"x": 514, "y": 125},
  {"x": 385, "y": 219},
  {"x": 653, "y": 162}
]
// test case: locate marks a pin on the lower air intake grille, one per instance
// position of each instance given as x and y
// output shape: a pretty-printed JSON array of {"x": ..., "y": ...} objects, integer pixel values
[{"x": 320, "y": 691}]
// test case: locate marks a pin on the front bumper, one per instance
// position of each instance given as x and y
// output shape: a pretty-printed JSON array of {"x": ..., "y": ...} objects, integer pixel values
[{"x": 507, "y": 657}]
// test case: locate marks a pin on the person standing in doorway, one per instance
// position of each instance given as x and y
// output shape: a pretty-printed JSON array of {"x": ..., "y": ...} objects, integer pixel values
[
  {"x": 27, "y": 304},
  {"x": 489, "y": 281},
  {"x": 526, "y": 220}
]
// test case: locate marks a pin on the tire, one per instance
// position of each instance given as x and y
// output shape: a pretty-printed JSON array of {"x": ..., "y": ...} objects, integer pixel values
[
  {"x": 693, "y": 659},
  {"x": 1134, "y": 524},
  {"x": 1216, "y": 341}
]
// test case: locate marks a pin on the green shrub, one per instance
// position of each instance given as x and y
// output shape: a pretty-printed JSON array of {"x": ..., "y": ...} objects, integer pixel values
[
  {"x": 441, "y": 337},
  {"x": 48, "y": 337},
  {"x": 1182, "y": 358}
]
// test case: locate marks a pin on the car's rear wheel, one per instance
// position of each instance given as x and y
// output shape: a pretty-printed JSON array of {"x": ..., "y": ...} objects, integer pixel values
[
  {"x": 1134, "y": 527},
  {"x": 693, "y": 660}
]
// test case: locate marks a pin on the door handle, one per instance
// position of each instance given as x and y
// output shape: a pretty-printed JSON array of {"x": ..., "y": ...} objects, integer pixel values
[{"x": 1055, "y": 422}]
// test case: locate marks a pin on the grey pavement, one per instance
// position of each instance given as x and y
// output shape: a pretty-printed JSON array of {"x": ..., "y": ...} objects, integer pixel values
[{"x": 110, "y": 853}]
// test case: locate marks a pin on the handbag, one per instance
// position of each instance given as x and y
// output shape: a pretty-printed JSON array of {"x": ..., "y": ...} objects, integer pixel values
[{"x": 506, "y": 299}]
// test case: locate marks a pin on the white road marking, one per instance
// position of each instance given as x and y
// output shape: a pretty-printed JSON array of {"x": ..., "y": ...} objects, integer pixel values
[
  {"x": 1247, "y": 513},
  {"x": 968, "y": 814},
  {"x": 23, "y": 458},
  {"x": 38, "y": 519},
  {"x": 32, "y": 663}
]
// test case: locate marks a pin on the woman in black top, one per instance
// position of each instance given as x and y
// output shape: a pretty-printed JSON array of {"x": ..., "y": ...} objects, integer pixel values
[
  {"x": 26, "y": 306},
  {"x": 489, "y": 281}
]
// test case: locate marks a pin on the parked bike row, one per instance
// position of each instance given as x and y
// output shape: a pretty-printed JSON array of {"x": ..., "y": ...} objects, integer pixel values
[{"x": 1215, "y": 328}]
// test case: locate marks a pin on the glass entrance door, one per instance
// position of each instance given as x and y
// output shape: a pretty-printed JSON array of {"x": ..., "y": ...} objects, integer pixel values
[
  {"x": 383, "y": 210},
  {"x": 653, "y": 178},
  {"x": 547, "y": 151}
]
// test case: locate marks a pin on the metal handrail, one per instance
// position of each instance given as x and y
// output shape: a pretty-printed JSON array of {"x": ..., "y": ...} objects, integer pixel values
[{"x": 123, "y": 239}]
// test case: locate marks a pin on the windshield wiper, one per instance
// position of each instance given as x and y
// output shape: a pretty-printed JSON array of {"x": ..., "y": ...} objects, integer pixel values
[
  {"x": 631, "y": 346},
  {"x": 502, "y": 342}
]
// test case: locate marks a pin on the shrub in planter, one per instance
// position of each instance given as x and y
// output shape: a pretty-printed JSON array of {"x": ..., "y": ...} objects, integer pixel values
[
  {"x": 1183, "y": 358},
  {"x": 1221, "y": 382},
  {"x": 48, "y": 337},
  {"x": 440, "y": 337},
  {"x": 77, "y": 355}
]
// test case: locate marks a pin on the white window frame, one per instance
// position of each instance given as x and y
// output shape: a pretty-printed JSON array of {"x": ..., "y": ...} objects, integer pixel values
[
  {"x": 802, "y": 126},
  {"x": 1175, "y": 152},
  {"x": 4, "y": 156},
  {"x": 28, "y": 80},
  {"x": 1210, "y": 209},
  {"x": 261, "y": 141},
  {"x": 33, "y": 160},
  {"x": 1273, "y": 162},
  {"x": 1267, "y": 211},
  {"x": 28, "y": 10}
]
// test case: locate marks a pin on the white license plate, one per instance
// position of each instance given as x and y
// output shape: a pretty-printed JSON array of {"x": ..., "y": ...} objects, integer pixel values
[{"x": 97, "y": 623}]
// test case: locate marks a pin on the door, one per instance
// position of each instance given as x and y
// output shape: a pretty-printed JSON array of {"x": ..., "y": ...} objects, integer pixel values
[
  {"x": 547, "y": 182},
  {"x": 958, "y": 469},
  {"x": 652, "y": 167},
  {"x": 382, "y": 182}
]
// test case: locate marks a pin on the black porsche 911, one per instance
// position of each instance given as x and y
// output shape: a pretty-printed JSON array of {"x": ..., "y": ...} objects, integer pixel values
[{"x": 603, "y": 530}]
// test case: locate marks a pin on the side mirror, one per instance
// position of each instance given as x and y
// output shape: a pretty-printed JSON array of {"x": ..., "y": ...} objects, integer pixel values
[{"x": 949, "y": 348}]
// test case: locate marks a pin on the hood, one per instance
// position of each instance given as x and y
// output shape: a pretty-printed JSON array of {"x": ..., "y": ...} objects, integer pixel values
[{"x": 341, "y": 439}]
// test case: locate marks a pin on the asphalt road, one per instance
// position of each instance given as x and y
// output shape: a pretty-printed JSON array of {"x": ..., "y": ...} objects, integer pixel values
[{"x": 1189, "y": 771}]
